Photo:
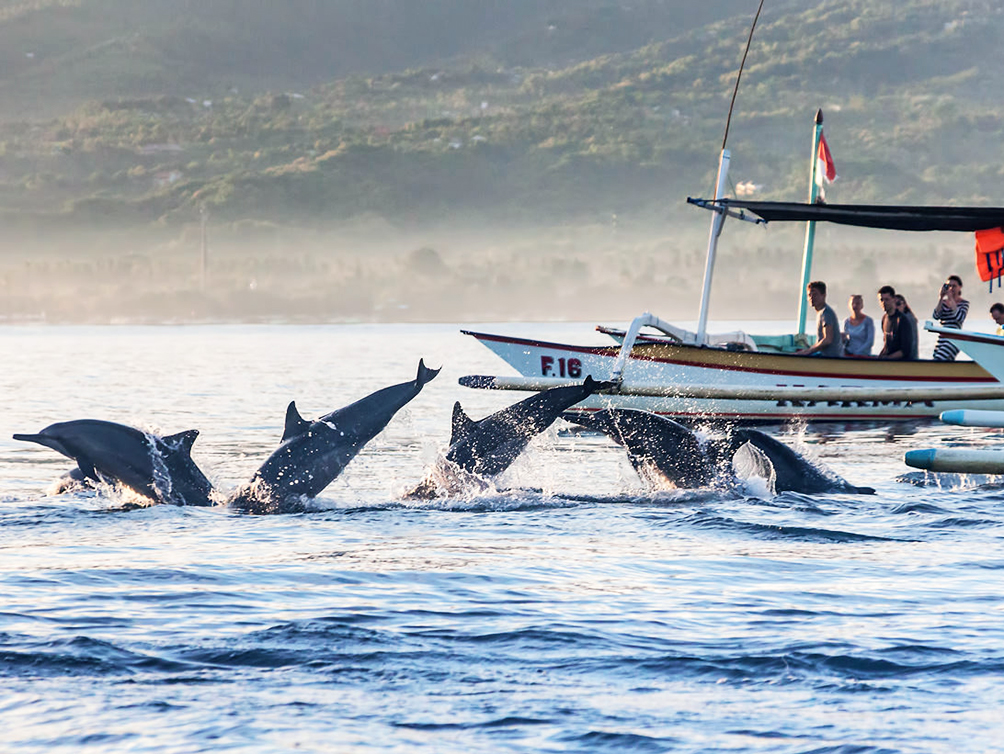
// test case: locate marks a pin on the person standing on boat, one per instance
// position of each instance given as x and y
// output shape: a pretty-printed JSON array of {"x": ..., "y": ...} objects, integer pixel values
[
  {"x": 905, "y": 311},
  {"x": 897, "y": 337},
  {"x": 859, "y": 329},
  {"x": 997, "y": 314},
  {"x": 828, "y": 341},
  {"x": 951, "y": 311}
]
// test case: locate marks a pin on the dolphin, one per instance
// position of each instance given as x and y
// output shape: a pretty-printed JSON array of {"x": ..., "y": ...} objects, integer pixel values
[
  {"x": 159, "y": 468},
  {"x": 793, "y": 472},
  {"x": 662, "y": 450},
  {"x": 313, "y": 453},
  {"x": 487, "y": 447},
  {"x": 657, "y": 447}
]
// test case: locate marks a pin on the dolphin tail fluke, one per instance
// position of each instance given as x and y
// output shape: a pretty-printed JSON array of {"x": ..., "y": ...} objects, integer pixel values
[
  {"x": 425, "y": 375},
  {"x": 595, "y": 386}
]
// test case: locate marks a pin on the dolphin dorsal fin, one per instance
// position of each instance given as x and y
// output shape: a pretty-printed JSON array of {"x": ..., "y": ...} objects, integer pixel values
[
  {"x": 183, "y": 440},
  {"x": 295, "y": 424},
  {"x": 462, "y": 424}
]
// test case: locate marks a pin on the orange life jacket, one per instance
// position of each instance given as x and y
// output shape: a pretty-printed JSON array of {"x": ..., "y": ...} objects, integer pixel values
[{"x": 990, "y": 255}]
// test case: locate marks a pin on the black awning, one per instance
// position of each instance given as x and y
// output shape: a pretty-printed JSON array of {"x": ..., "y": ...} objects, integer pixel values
[{"x": 965, "y": 219}]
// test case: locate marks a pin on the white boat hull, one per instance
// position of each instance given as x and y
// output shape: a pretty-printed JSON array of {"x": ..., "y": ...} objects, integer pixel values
[{"x": 694, "y": 383}]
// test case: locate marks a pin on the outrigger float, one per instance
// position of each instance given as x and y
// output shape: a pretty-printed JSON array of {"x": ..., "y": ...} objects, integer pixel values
[
  {"x": 988, "y": 350},
  {"x": 739, "y": 377}
]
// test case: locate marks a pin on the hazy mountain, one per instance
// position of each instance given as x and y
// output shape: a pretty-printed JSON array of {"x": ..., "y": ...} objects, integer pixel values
[
  {"x": 55, "y": 54},
  {"x": 434, "y": 134},
  {"x": 519, "y": 111}
]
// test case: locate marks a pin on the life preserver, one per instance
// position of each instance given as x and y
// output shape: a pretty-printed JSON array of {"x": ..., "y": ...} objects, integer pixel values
[{"x": 990, "y": 255}]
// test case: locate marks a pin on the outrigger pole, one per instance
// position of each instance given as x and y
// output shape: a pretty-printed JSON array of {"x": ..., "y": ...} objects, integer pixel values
[
  {"x": 718, "y": 214},
  {"x": 810, "y": 227}
]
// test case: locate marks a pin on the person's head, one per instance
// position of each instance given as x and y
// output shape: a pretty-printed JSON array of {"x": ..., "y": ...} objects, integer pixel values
[
  {"x": 856, "y": 303},
  {"x": 901, "y": 306},
  {"x": 816, "y": 291},
  {"x": 953, "y": 284},
  {"x": 887, "y": 298},
  {"x": 997, "y": 312}
]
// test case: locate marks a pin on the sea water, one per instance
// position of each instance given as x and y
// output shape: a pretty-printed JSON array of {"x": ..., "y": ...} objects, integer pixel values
[{"x": 570, "y": 609}]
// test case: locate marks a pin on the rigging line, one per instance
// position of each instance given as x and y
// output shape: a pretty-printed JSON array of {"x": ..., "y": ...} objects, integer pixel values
[{"x": 739, "y": 76}]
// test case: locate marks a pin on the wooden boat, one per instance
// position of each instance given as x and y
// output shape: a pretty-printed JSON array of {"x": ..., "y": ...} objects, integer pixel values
[
  {"x": 741, "y": 377},
  {"x": 698, "y": 382}
]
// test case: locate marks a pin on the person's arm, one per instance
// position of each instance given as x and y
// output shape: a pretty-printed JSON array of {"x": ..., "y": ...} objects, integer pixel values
[
  {"x": 897, "y": 355},
  {"x": 894, "y": 340},
  {"x": 885, "y": 344},
  {"x": 906, "y": 341},
  {"x": 828, "y": 336},
  {"x": 869, "y": 334},
  {"x": 961, "y": 312},
  {"x": 941, "y": 308}
]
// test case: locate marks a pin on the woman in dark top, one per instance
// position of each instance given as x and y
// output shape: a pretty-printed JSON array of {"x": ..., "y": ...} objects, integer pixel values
[{"x": 905, "y": 311}]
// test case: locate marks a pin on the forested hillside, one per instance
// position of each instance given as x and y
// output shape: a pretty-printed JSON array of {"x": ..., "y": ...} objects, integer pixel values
[
  {"x": 180, "y": 113},
  {"x": 376, "y": 117},
  {"x": 58, "y": 53}
]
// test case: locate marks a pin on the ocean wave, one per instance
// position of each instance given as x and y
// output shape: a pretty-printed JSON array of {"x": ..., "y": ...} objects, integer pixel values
[
  {"x": 79, "y": 656},
  {"x": 706, "y": 520},
  {"x": 602, "y": 740},
  {"x": 815, "y": 667},
  {"x": 962, "y": 522}
]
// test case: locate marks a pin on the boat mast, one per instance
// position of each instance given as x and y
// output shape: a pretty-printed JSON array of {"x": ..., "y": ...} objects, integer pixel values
[
  {"x": 718, "y": 213},
  {"x": 810, "y": 227},
  {"x": 717, "y": 221}
]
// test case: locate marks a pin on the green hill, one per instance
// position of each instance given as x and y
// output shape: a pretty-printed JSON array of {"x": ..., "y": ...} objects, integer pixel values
[
  {"x": 524, "y": 111},
  {"x": 429, "y": 137},
  {"x": 55, "y": 54}
]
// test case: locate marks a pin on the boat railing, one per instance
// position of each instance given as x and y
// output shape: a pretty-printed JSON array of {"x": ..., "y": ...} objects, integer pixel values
[
  {"x": 644, "y": 320},
  {"x": 737, "y": 340}
]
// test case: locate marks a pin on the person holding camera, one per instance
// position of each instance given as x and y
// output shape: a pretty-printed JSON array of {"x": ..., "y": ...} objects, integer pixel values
[{"x": 951, "y": 311}]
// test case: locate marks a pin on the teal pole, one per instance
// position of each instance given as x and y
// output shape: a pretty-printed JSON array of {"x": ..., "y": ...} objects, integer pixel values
[{"x": 810, "y": 227}]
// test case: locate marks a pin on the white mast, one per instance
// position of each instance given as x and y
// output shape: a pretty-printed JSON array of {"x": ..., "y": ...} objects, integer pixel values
[{"x": 717, "y": 221}]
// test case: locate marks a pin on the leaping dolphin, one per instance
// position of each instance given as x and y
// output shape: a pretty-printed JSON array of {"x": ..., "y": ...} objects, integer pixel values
[
  {"x": 794, "y": 473},
  {"x": 487, "y": 447},
  {"x": 159, "y": 468},
  {"x": 659, "y": 447},
  {"x": 313, "y": 453}
]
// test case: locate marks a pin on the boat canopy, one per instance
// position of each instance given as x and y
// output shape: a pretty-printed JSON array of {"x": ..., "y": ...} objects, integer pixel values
[{"x": 965, "y": 219}]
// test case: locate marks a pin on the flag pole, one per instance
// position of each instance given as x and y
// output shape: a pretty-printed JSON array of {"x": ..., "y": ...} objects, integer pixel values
[{"x": 810, "y": 227}]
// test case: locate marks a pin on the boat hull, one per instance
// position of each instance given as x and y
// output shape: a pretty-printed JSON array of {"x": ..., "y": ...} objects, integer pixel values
[{"x": 682, "y": 366}]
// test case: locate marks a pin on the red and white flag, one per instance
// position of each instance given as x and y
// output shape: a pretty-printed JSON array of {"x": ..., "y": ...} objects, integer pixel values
[{"x": 825, "y": 169}]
